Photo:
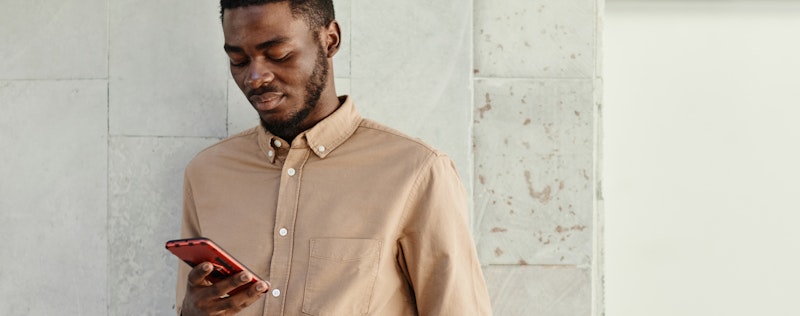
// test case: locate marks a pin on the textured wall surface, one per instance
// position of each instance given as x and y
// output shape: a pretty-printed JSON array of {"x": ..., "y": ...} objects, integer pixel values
[
  {"x": 106, "y": 101},
  {"x": 53, "y": 197},
  {"x": 536, "y": 105}
]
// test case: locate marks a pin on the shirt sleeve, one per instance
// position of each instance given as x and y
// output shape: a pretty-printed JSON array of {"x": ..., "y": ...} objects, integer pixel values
[
  {"x": 437, "y": 253},
  {"x": 190, "y": 227}
]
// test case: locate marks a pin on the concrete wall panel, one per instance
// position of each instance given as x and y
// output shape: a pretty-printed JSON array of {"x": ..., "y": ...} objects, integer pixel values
[
  {"x": 535, "y": 38},
  {"x": 145, "y": 186},
  {"x": 534, "y": 173},
  {"x": 540, "y": 290},
  {"x": 54, "y": 39},
  {"x": 168, "y": 70},
  {"x": 53, "y": 197}
]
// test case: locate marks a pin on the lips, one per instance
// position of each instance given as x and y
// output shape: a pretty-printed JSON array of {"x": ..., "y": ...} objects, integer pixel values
[{"x": 266, "y": 101}]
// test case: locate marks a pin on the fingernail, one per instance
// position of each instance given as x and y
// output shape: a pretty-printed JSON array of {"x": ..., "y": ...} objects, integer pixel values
[
  {"x": 206, "y": 267},
  {"x": 261, "y": 287},
  {"x": 244, "y": 277}
]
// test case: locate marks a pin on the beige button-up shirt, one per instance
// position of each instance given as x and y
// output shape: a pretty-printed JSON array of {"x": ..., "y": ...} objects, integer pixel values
[{"x": 352, "y": 218}]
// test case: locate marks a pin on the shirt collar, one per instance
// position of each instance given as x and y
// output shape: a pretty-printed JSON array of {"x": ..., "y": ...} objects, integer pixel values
[{"x": 324, "y": 137}]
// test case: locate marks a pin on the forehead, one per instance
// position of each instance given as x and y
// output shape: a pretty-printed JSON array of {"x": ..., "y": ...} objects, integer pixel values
[{"x": 261, "y": 22}]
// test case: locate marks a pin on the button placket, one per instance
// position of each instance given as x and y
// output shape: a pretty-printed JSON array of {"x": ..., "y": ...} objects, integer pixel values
[{"x": 283, "y": 241}]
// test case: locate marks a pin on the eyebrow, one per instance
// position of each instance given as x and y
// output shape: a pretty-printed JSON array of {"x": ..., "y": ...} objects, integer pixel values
[{"x": 262, "y": 46}]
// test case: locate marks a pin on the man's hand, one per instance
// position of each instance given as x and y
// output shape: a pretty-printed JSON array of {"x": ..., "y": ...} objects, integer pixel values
[{"x": 206, "y": 298}]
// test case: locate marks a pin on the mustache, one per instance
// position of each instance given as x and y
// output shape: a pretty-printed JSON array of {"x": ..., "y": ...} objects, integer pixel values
[{"x": 262, "y": 90}]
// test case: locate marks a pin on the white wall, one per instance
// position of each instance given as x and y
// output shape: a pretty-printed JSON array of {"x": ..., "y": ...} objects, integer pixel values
[
  {"x": 104, "y": 101},
  {"x": 701, "y": 127}
]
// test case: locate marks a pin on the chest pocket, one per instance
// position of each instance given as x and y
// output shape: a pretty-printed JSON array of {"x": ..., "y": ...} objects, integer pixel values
[{"x": 341, "y": 276}]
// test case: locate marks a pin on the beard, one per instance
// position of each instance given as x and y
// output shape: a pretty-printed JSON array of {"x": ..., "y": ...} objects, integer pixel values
[{"x": 290, "y": 127}]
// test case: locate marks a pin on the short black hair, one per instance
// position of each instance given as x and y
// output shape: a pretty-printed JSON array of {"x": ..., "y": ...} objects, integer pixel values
[{"x": 317, "y": 13}]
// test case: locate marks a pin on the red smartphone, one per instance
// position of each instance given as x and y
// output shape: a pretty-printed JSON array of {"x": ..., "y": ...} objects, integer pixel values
[{"x": 195, "y": 251}]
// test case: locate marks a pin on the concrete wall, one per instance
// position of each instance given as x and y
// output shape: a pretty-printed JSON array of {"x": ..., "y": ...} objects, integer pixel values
[
  {"x": 104, "y": 101},
  {"x": 536, "y": 104}
]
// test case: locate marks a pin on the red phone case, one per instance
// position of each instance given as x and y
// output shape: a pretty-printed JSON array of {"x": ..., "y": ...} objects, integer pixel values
[{"x": 195, "y": 251}]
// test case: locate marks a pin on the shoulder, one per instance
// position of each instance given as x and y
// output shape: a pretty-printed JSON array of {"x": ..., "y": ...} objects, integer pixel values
[
  {"x": 397, "y": 153},
  {"x": 390, "y": 139}
]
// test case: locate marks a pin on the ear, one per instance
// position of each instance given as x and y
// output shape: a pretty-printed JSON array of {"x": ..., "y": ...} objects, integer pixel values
[{"x": 332, "y": 38}]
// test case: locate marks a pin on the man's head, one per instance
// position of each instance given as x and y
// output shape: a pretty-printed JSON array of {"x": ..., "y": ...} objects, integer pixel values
[
  {"x": 317, "y": 13},
  {"x": 280, "y": 54}
]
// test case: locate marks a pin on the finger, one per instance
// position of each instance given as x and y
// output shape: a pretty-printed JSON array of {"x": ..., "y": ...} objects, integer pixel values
[
  {"x": 230, "y": 283},
  {"x": 257, "y": 288},
  {"x": 199, "y": 273},
  {"x": 244, "y": 298}
]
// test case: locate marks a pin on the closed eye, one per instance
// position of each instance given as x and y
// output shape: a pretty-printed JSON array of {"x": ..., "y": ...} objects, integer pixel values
[
  {"x": 239, "y": 64},
  {"x": 280, "y": 59}
]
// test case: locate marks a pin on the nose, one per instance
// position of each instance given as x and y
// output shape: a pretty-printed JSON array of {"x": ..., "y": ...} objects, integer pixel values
[{"x": 258, "y": 75}]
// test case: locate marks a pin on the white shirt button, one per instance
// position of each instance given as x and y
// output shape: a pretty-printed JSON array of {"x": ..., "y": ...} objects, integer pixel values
[
  {"x": 321, "y": 148},
  {"x": 283, "y": 231},
  {"x": 291, "y": 172},
  {"x": 277, "y": 143},
  {"x": 270, "y": 153},
  {"x": 276, "y": 292}
]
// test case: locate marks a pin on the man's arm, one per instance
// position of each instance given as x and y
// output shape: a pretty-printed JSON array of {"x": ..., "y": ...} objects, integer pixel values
[
  {"x": 195, "y": 294},
  {"x": 437, "y": 249}
]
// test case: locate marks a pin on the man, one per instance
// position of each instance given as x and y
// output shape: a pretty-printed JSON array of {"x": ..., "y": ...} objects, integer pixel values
[{"x": 341, "y": 215}]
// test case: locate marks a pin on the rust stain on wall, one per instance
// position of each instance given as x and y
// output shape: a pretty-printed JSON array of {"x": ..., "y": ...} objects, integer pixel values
[
  {"x": 499, "y": 230},
  {"x": 547, "y": 128},
  {"x": 486, "y": 107},
  {"x": 543, "y": 196},
  {"x": 560, "y": 229},
  {"x": 498, "y": 252},
  {"x": 542, "y": 239}
]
